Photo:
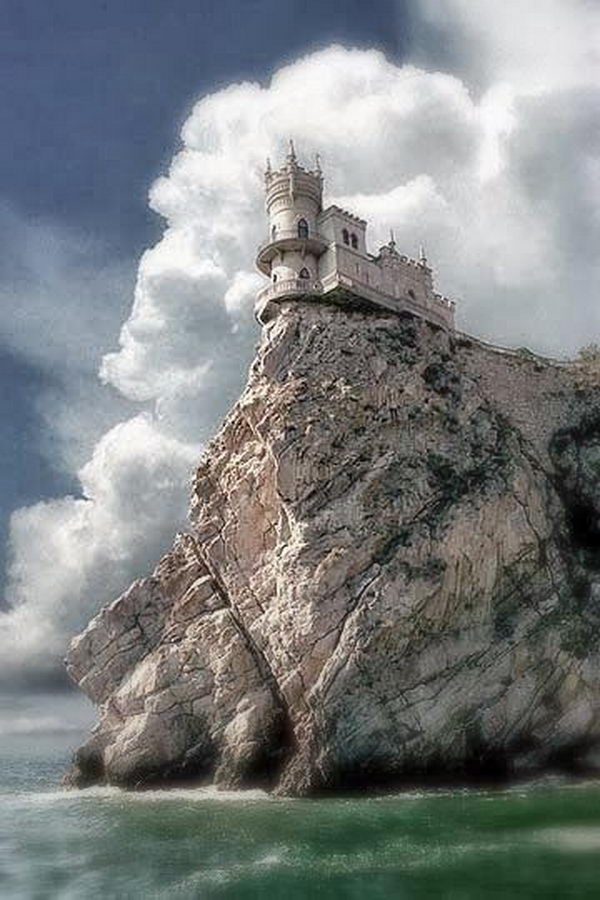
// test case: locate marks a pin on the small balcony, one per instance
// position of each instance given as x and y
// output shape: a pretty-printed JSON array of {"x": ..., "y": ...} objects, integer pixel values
[
  {"x": 291, "y": 287},
  {"x": 314, "y": 243}
]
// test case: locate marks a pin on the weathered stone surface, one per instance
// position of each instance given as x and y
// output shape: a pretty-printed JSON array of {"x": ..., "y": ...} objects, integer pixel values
[{"x": 392, "y": 570}]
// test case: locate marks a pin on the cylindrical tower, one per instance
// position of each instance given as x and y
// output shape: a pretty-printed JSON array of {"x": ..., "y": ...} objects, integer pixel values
[{"x": 293, "y": 201}]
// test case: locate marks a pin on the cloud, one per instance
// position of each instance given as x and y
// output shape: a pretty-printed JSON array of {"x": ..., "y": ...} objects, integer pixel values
[
  {"x": 538, "y": 46},
  {"x": 495, "y": 167},
  {"x": 61, "y": 299},
  {"x": 24, "y": 716},
  {"x": 69, "y": 553}
]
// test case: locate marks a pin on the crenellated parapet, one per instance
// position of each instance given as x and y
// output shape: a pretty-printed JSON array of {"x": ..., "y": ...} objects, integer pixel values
[{"x": 292, "y": 182}]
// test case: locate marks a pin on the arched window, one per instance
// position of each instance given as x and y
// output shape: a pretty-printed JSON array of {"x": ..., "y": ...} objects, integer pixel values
[
  {"x": 302, "y": 228},
  {"x": 354, "y": 242},
  {"x": 304, "y": 273},
  {"x": 411, "y": 293},
  {"x": 345, "y": 236},
  {"x": 274, "y": 277},
  {"x": 273, "y": 232}
]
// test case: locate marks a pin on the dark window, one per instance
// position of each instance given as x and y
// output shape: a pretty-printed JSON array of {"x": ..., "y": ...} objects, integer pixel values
[
  {"x": 354, "y": 242},
  {"x": 302, "y": 228},
  {"x": 411, "y": 293},
  {"x": 273, "y": 232},
  {"x": 345, "y": 236},
  {"x": 304, "y": 273},
  {"x": 274, "y": 277}
]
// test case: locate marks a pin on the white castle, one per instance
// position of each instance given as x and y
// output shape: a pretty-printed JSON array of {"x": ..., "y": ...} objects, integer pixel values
[{"x": 314, "y": 253}]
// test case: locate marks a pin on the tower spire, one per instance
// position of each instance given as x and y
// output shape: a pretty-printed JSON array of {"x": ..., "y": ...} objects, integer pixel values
[
  {"x": 392, "y": 243},
  {"x": 422, "y": 255},
  {"x": 292, "y": 152}
]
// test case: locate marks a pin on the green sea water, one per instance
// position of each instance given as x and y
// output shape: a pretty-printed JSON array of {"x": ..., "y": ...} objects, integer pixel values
[{"x": 540, "y": 840}]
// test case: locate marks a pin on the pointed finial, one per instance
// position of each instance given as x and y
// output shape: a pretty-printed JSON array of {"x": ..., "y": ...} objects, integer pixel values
[
  {"x": 422, "y": 255},
  {"x": 292, "y": 152},
  {"x": 392, "y": 243},
  {"x": 318, "y": 163},
  {"x": 268, "y": 168}
]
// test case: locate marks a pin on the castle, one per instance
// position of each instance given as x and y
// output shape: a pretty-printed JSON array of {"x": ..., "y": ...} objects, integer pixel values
[{"x": 313, "y": 252}]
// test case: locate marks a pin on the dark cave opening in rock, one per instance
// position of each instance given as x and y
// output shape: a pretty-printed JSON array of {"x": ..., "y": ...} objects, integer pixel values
[
  {"x": 574, "y": 453},
  {"x": 584, "y": 527}
]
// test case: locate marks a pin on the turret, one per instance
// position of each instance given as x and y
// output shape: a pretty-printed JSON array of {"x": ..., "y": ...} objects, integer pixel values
[{"x": 294, "y": 202}]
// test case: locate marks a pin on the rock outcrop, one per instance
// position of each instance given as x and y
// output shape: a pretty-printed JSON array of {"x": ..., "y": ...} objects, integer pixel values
[{"x": 392, "y": 571}]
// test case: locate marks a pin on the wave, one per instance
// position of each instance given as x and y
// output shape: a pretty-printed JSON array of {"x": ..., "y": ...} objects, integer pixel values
[
  {"x": 211, "y": 793},
  {"x": 25, "y": 725},
  {"x": 575, "y": 838},
  {"x": 110, "y": 792}
]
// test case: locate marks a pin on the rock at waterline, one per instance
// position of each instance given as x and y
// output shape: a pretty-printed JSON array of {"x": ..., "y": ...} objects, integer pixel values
[{"x": 392, "y": 570}]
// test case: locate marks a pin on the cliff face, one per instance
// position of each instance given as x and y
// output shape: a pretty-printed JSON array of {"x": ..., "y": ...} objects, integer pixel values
[{"x": 392, "y": 570}]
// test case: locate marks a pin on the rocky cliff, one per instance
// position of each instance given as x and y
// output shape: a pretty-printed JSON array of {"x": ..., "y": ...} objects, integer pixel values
[{"x": 392, "y": 570}]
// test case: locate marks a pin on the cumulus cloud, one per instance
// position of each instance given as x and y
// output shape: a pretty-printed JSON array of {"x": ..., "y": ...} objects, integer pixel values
[
  {"x": 540, "y": 46},
  {"x": 74, "y": 551},
  {"x": 24, "y": 716},
  {"x": 61, "y": 299},
  {"x": 494, "y": 166}
]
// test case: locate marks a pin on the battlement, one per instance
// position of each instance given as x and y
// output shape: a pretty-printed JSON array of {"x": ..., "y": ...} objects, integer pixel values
[
  {"x": 444, "y": 301},
  {"x": 289, "y": 184},
  {"x": 272, "y": 175},
  {"x": 344, "y": 212}
]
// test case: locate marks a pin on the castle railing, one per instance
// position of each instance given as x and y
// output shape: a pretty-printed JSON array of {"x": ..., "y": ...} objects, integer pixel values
[
  {"x": 438, "y": 309},
  {"x": 292, "y": 286},
  {"x": 291, "y": 234},
  {"x": 444, "y": 301}
]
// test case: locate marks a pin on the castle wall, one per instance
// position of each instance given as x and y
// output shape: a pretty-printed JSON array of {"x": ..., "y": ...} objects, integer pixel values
[
  {"x": 398, "y": 279},
  {"x": 291, "y": 264},
  {"x": 327, "y": 262},
  {"x": 284, "y": 214},
  {"x": 332, "y": 223}
]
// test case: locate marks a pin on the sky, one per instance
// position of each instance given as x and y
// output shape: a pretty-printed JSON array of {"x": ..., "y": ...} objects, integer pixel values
[{"x": 134, "y": 140}]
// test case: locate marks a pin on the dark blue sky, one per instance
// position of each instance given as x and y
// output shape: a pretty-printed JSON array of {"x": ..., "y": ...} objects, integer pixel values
[
  {"x": 95, "y": 93},
  {"x": 98, "y": 89}
]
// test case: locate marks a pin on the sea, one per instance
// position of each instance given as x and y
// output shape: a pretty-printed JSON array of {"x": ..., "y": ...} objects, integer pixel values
[{"x": 534, "y": 840}]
